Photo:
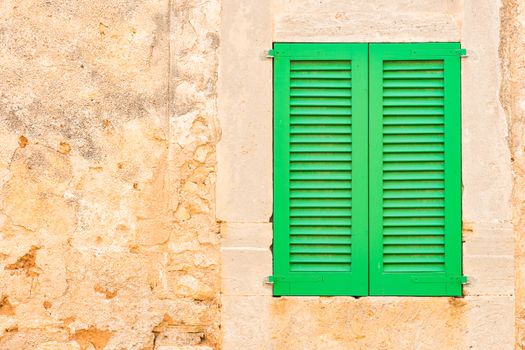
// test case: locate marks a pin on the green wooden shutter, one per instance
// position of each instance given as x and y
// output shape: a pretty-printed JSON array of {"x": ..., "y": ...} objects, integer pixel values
[
  {"x": 415, "y": 170},
  {"x": 320, "y": 169}
]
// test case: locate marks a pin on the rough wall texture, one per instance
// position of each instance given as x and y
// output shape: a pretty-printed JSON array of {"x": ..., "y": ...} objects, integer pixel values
[
  {"x": 108, "y": 237},
  {"x": 512, "y": 53}
]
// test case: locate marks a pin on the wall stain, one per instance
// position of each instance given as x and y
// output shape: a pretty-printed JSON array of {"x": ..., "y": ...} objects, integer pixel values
[
  {"x": 92, "y": 336},
  {"x": 6, "y": 308},
  {"x": 26, "y": 263}
]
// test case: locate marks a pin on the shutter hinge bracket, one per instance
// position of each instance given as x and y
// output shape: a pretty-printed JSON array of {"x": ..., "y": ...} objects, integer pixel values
[
  {"x": 270, "y": 54},
  {"x": 269, "y": 280},
  {"x": 462, "y": 52}
]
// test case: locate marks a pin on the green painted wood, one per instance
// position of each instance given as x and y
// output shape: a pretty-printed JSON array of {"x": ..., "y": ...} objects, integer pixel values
[
  {"x": 320, "y": 169},
  {"x": 415, "y": 170}
]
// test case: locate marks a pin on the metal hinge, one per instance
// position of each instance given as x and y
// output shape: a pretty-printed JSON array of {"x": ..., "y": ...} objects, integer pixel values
[
  {"x": 462, "y": 52},
  {"x": 270, "y": 54},
  {"x": 268, "y": 280}
]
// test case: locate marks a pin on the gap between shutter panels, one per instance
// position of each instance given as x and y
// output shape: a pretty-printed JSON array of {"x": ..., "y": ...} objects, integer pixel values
[
  {"x": 320, "y": 165},
  {"x": 413, "y": 166}
]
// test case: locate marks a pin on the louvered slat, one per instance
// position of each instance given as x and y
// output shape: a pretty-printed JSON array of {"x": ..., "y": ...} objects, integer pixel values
[
  {"x": 321, "y": 118},
  {"x": 412, "y": 182},
  {"x": 415, "y": 188}
]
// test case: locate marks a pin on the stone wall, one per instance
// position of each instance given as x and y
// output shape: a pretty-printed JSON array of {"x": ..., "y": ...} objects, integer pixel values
[
  {"x": 108, "y": 238},
  {"x": 512, "y": 52},
  {"x": 115, "y": 232}
]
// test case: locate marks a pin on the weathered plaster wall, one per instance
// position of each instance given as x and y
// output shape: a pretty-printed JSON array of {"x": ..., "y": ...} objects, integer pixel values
[
  {"x": 251, "y": 318},
  {"x": 108, "y": 238},
  {"x": 108, "y": 232},
  {"x": 512, "y": 53}
]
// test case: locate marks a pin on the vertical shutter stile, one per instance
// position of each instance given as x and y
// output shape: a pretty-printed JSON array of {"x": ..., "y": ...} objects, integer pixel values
[
  {"x": 415, "y": 189},
  {"x": 320, "y": 131}
]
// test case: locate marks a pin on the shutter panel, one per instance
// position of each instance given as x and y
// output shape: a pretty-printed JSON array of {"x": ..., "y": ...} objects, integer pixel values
[
  {"x": 320, "y": 169},
  {"x": 415, "y": 170}
]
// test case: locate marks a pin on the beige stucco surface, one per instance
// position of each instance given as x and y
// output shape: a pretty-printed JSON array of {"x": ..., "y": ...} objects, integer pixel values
[{"x": 252, "y": 319}]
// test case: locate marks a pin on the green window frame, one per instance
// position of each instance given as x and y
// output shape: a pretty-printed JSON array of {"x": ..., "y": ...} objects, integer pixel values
[{"x": 367, "y": 169}]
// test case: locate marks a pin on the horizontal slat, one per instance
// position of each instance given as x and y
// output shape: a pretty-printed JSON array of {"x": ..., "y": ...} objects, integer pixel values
[
  {"x": 413, "y": 239},
  {"x": 314, "y": 110},
  {"x": 414, "y": 157},
  {"x": 321, "y": 239},
  {"x": 319, "y": 166},
  {"x": 407, "y": 92},
  {"x": 321, "y": 156},
  {"x": 319, "y": 184},
  {"x": 414, "y": 259},
  {"x": 413, "y": 249},
  {"x": 413, "y": 120},
  {"x": 313, "y": 92},
  {"x": 320, "y": 267},
  {"x": 328, "y": 212},
  {"x": 412, "y": 65},
  {"x": 413, "y": 129},
  {"x": 414, "y": 138},
  {"x": 415, "y": 193},
  {"x": 321, "y": 83},
  {"x": 321, "y": 101},
  {"x": 413, "y": 83},
  {"x": 413, "y": 175},
  {"x": 321, "y": 175},
  {"x": 327, "y": 193},
  {"x": 321, "y": 129},
  {"x": 324, "y": 147},
  {"x": 320, "y": 221},
  {"x": 321, "y": 203},
  {"x": 413, "y": 147},
  {"x": 322, "y": 74},
  {"x": 320, "y": 249},
  {"x": 413, "y": 166},
  {"x": 434, "y": 267},
  {"x": 405, "y": 111},
  {"x": 413, "y": 184},
  {"x": 321, "y": 119},
  {"x": 413, "y": 101},
  {"x": 343, "y": 230},
  {"x": 413, "y": 231},
  {"x": 414, "y": 222},
  {"x": 413, "y": 203},
  {"x": 307, "y": 138},
  {"x": 320, "y": 258},
  {"x": 316, "y": 65},
  {"x": 414, "y": 212},
  {"x": 413, "y": 74}
]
